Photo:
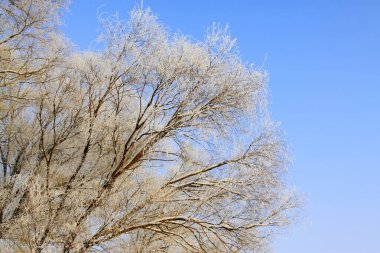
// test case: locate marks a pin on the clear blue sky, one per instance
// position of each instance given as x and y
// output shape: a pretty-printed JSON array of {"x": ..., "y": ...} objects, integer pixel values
[{"x": 323, "y": 58}]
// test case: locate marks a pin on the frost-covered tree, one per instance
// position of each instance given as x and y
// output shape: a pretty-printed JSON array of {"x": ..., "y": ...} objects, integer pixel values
[{"x": 156, "y": 143}]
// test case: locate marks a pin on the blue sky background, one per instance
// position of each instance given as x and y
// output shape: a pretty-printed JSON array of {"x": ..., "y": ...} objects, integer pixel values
[{"x": 323, "y": 58}]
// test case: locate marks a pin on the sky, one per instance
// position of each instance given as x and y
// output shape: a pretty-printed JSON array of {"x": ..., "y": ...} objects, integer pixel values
[{"x": 323, "y": 60}]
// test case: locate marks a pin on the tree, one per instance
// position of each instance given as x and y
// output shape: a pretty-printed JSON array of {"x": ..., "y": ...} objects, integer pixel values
[{"x": 156, "y": 143}]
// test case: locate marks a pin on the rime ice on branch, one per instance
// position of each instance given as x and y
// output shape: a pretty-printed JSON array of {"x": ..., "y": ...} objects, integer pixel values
[{"x": 156, "y": 143}]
